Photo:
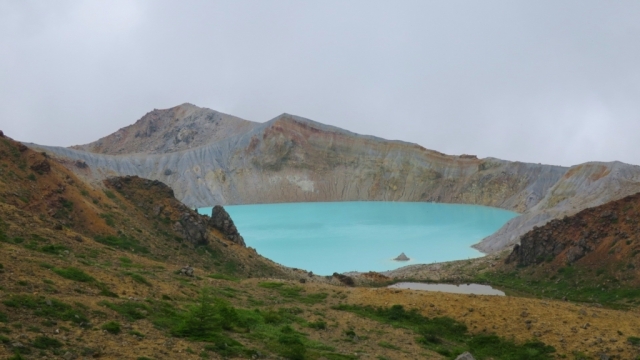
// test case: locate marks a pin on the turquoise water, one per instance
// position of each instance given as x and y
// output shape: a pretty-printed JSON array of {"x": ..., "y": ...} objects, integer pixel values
[{"x": 365, "y": 235}]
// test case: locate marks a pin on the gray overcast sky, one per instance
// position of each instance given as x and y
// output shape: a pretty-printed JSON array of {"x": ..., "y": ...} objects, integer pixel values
[{"x": 555, "y": 82}]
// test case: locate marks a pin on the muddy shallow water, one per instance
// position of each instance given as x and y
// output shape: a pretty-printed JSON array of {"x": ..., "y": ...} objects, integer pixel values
[{"x": 476, "y": 289}]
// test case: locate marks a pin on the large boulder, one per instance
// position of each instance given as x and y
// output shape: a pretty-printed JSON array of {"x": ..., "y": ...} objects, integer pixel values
[
  {"x": 221, "y": 221},
  {"x": 193, "y": 227}
]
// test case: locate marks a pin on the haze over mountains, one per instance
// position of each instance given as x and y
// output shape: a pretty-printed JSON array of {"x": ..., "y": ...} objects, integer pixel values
[{"x": 211, "y": 158}]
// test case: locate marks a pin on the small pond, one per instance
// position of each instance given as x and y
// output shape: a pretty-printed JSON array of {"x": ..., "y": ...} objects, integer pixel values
[{"x": 476, "y": 289}]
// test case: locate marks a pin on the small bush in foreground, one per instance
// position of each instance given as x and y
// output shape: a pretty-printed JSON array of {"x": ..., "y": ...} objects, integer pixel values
[{"x": 112, "y": 327}]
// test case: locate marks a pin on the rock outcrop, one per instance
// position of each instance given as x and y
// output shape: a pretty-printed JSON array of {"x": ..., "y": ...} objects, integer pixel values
[
  {"x": 160, "y": 202},
  {"x": 221, "y": 221},
  {"x": 344, "y": 279},
  {"x": 599, "y": 236},
  {"x": 292, "y": 159},
  {"x": 402, "y": 257},
  {"x": 187, "y": 270},
  {"x": 193, "y": 228},
  {"x": 41, "y": 167}
]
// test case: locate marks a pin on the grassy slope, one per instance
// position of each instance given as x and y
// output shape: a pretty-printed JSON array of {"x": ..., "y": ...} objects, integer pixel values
[{"x": 94, "y": 272}]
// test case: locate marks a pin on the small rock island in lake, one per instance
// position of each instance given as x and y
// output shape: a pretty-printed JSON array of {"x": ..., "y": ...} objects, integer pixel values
[{"x": 402, "y": 257}]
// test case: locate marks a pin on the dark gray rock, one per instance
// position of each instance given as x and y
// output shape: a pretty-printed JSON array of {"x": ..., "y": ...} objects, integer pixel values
[
  {"x": 221, "y": 221},
  {"x": 402, "y": 257},
  {"x": 81, "y": 164},
  {"x": 193, "y": 227},
  {"x": 187, "y": 271}
]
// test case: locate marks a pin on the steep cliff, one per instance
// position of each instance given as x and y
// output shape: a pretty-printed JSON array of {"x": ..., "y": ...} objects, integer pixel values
[{"x": 291, "y": 159}]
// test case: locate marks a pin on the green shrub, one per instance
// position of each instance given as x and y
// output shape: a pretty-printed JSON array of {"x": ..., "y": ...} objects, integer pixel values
[
  {"x": 44, "y": 342},
  {"x": 201, "y": 321},
  {"x": 50, "y": 308},
  {"x": 131, "y": 310},
  {"x": 110, "y": 194},
  {"x": 108, "y": 219},
  {"x": 318, "y": 325},
  {"x": 74, "y": 274},
  {"x": 53, "y": 249},
  {"x": 16, "y": 356},
  {"x": 291, "y": 344},
  {"x": 484, "y": 346},
  {"x": 294, "y": 293},
  {"x": 633, "y": 340},
  {"x": 112, "y": 327},
  {"x": 138, "y": 278},
  {"x": 136, "y": 333},
  {"x": 387, "y": 345},
  {"x": 122, "y": 242},
  {"x": 223, "y": 277},
  {"x": 104, "y": 290}
]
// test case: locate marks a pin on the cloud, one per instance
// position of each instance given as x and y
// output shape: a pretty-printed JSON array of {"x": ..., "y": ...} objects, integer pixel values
[{"x": 547, "y": 81}]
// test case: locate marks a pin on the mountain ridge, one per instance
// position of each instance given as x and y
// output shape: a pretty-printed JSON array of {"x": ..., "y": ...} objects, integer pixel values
[{"x": 290, "y": 159}]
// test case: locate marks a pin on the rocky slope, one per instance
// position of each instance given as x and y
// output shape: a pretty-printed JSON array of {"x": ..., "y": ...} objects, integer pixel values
[
  {"x": 161, "y": 131},
  {"x": 601, "y": 237},
  {"x": 291, "y": 159}
]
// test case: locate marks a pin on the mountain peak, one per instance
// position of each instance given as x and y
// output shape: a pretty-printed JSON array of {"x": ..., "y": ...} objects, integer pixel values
[{"x": 162, "y": 131}]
